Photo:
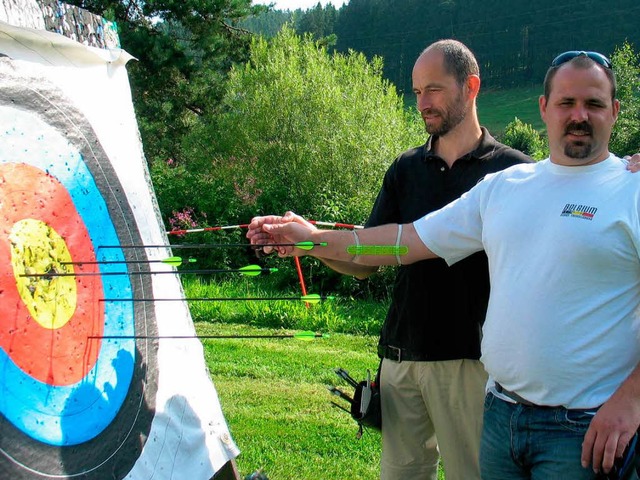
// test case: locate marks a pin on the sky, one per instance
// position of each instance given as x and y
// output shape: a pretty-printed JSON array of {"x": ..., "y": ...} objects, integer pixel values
[{"x": 295, "y": 4}]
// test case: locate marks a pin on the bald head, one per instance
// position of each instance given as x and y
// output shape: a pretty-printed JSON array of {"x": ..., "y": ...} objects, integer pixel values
[{"x": 457, "y": 60}]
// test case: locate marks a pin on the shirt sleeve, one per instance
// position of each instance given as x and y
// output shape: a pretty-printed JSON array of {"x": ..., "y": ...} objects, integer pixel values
[{"x": 455, "y": 231}]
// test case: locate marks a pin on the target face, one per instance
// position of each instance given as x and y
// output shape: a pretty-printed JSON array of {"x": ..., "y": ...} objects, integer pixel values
[{"x": 71, "y": 403}]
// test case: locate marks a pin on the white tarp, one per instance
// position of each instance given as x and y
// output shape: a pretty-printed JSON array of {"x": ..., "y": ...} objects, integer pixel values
[{"x": 55, "y": 91}]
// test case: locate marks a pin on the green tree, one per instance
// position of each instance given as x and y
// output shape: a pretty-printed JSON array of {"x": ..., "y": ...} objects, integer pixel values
[
  {"x": 625, "y": 139},
  {"x": 318, "y": 21},
  {"x": 183, "y": 51},
  {"x": 268, "y": 24},
  {"x": 302, "y": 130}
]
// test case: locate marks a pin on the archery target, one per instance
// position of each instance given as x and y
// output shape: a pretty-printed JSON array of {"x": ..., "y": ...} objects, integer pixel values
[{"x": 72, "y": 404}]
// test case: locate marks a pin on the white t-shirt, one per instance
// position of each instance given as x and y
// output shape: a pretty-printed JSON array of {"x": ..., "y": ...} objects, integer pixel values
[{"x": 564, "y": 258}]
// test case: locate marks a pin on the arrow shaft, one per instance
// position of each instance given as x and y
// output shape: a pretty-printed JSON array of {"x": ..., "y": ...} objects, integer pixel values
[
  {"x": 301, "y": 277},
  {"x": 114, "y": 262},
  {"x": 161, "y": 272},
  {"x": 210, "y": 299},
  {"x": 341, "y": 407},
  {"x": 206, "y": 229},
  {"x": 180, "y": 245},
  {"x": 180, "y": 337},
  {"x": 335, "y": 224},
  {"x": 245, "y": 225},
  {"x": 341, "y": 394},
  {"x": 346, "y": 377},
  {"x": 212, "y": 245}
]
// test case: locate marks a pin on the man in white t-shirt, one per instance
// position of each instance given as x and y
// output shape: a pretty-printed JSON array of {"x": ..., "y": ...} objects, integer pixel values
[{"x": 561, "y": 339}]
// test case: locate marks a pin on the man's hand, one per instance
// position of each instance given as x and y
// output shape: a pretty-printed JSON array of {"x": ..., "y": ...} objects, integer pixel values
[
  {"x": 633, "y": 163},
  {"x": 610, "y": 431},
  {"x": 260, "y": 232}
]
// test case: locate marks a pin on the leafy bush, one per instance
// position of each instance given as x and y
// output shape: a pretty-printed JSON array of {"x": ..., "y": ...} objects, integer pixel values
[
  {"x": 524, "y": 137},
  {"x": 304, "y": 131},
  {"x": 625, "y": 139}
]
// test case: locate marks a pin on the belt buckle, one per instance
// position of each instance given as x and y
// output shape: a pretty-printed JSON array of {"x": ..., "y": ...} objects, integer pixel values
[{"x": 397, "y": 351}]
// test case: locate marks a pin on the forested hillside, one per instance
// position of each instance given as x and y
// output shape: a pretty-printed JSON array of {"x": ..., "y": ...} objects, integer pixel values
[{"x": 514, "y": 40}]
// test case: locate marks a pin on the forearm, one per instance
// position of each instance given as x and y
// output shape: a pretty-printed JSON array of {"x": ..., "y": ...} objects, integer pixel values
[
  {"x": 383, "y": 245},
  {"x": 349, "y": 268},
  {"x": 338, "y": 243}
]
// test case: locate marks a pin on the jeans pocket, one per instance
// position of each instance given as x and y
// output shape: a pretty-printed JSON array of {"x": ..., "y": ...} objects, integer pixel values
[
  {"x": 575, "y": 420},
  {"x": 488, "y": 401}
]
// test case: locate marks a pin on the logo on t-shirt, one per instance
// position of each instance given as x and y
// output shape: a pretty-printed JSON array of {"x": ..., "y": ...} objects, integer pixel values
[{"x": 578, "y": 211}]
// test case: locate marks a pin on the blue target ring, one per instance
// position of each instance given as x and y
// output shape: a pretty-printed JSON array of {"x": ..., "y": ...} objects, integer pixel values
[
  {"x": 96, "y": 426},
  {"x": 55, "y": 414}
]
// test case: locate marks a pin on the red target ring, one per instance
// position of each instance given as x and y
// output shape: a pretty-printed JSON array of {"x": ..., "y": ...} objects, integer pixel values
[{"x": 53, "y": 355}]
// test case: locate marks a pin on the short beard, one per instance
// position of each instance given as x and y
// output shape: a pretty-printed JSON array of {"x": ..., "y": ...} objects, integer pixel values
[
  {"x": 580, "y": 149},
  {"x": 450, "y": 119}
]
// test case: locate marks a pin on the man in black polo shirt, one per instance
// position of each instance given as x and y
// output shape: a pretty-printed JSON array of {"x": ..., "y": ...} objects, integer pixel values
[{"x": 432, "y": 381}]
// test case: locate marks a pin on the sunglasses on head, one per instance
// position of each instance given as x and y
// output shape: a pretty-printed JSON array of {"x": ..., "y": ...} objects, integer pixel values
[{"x": 567, "y": 56}]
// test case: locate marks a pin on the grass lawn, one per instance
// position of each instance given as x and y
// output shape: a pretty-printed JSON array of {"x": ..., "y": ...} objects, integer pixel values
[
  {"x": 497, "y": 108},
  {"x": 273, "y": 393}
]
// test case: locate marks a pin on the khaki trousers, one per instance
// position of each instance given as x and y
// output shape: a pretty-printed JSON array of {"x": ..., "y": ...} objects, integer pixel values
[{"x": 431, "y": 409}]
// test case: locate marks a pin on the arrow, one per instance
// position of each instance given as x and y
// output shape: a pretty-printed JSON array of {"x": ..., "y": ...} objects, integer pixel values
[
  {"x": 300, "y": 245},
  {"x": 377, "y": 249},
  {"x": 340, "y": 393},
  {"x": 341, "y": 407},
  {"x": 305, "y": 336},
  {"x": 342, "y": 373},
  {"x": 311, "y": 298},
  {"x": 173, "y": 261},
  {"x": 206, "y": 229},
  {"x": 245, "y": 225},
  {"x": 249, "y": 271},
  {"x": 300, "y": 277},
  {"x": 335, "y": 224}
]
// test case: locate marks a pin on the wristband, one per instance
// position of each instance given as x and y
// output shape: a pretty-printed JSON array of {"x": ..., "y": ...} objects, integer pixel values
[
  {"x": 357, "y": 240},
  {"x": 398, "y": 244}
]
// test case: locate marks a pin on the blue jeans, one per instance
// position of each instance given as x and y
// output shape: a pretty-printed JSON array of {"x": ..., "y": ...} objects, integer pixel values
[{"x": 533, "y": 443}]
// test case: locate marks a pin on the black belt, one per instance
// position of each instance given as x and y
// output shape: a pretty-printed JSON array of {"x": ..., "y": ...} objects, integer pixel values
[
  {"x": 522, "y": 401},
  {"x": 514, "y": 396},
  {"x": 401, "y": 354}
]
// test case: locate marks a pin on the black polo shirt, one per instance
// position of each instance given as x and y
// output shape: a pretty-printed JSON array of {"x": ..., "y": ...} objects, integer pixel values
[{"x": 437, "y": 311}]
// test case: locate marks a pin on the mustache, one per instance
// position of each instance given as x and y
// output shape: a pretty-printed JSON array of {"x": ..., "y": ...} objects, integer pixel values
[
  {"x": 575, "y": 127},
  {"x": 430, "y": 111}
]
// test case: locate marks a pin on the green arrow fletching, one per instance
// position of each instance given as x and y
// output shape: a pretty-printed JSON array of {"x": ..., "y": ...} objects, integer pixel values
[
  {"x": 314, "y": 298},
  {"x": 307, "y": 336},
  {"x": 255, "y": 270},
  {"x": 309, "y": 245},
  {"x": 173, "y": 261}
]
